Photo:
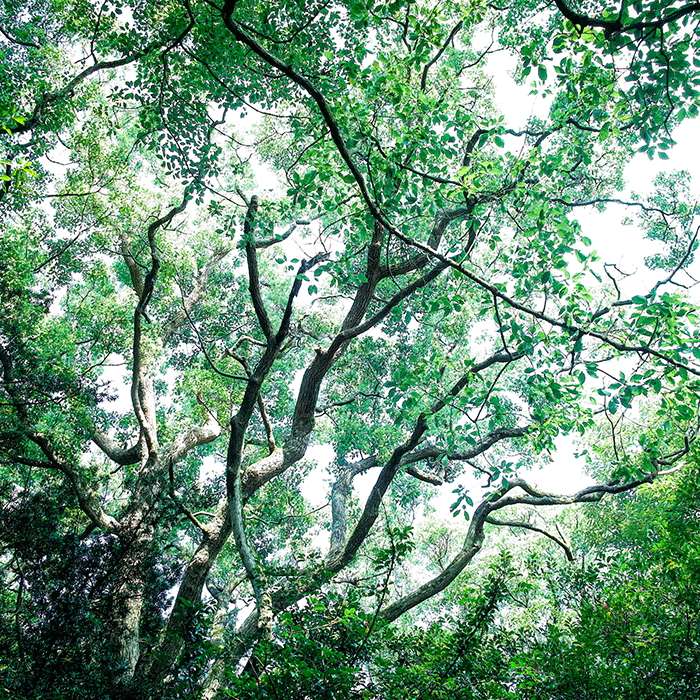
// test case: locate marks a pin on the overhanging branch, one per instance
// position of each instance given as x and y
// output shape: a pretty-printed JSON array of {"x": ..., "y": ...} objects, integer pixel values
[{"x": 533, "y": 528}]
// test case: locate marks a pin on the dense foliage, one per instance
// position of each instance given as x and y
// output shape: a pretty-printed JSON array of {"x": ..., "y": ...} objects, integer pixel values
[{"x": 237, "y": 235}]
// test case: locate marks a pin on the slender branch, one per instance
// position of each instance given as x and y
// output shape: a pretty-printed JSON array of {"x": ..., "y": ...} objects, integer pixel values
[
  {"x": 176, "y": 499},
  {"x": 322, "y": 410},
  {"x": 528, "y": 526},
  {"x": 304, "y": 267},
  {"x": 67, "y": 90},
  {"x": 87, "y": 496},
  {"x": 305, "y": 84},
  {"x": 253, "y": 272},
  {"x": 571, "y": 327},
  {"x": 15, "y": 40},
  {"x": 371, "y": 509},
  {"x": 448, "y": 41},
  {"x": 272, "y": 240},
  {"x": 190, "y": 301},
  {"x": 208, "y": 358}
]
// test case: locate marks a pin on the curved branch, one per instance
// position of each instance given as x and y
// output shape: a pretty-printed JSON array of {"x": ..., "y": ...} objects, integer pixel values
[
  {"x": 434, "y": 452},
  {"x": 201, "y": 435},
  {"x": 87, "y": 496},
  {"x": 616, "y": 26},
  {"x": 475, "y": 536},
  {"x": 267, "y": 242},
  {"x": 117, "y": 454},
  {"x": 533, "y": 528},
  {"x": 67, "y": 90},
  {"x": 572, "y": 328},
  {"x": 424, "y": 476},
  {"x": 19, "y": 42}
]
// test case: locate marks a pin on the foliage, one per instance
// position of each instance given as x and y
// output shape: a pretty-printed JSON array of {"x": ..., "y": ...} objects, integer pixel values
[
  {"x": 235, "y": 237},
  {"x": 621, "y": 621}
]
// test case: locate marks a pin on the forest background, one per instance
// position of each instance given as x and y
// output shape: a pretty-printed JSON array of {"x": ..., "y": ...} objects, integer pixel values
[{"x": 413, "y": 295}]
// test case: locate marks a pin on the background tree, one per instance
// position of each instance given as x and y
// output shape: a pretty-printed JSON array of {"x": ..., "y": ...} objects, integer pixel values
[
  {"x": 414, "y": 291},
  {"x": 621, "y": 620}
]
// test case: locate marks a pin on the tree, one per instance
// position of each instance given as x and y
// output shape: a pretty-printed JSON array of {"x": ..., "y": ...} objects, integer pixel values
[
  {"x": 634, "y": 631},
  {"x": 619, "y": 621},
  {"x": 444, "y": 312}
]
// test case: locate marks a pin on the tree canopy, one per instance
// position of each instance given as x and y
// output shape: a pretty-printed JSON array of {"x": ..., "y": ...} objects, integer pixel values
[{"x": 236, "y": 234}]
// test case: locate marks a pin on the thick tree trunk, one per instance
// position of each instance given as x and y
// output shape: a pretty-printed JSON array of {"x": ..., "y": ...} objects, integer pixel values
[{"x": 125, "y": 605}]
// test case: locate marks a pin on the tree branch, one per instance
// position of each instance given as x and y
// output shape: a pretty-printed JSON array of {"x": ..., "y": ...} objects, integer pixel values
[
  {"x": 88, "y": 498},
  {"x": 533, "y": 528},
  {"x": 121, "y": 456},
  {"x": 67, "y": 90},
  {"x": 616, "y": 26},
  {"x": 453, "y": 33},
  {"x": 146, "y": 414},
  {"x": 475, "y": 536},
  {"x": 253, "y": 272},
  {"x": 371, "y": 509},
  {"x": 188, "y": 303},
  {"x": 200, "y": 435}
]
